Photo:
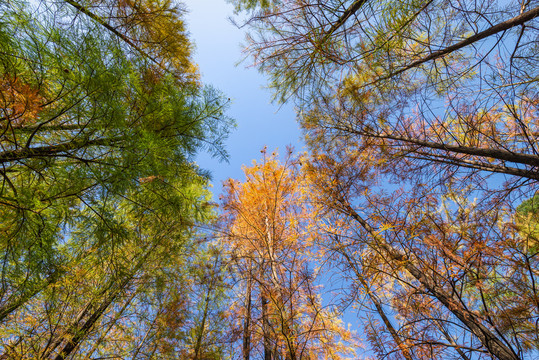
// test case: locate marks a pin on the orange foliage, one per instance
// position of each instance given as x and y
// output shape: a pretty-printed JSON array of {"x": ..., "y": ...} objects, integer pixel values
[
  {"x": 266, "y": 224},
  {"x": 19, "y": 102}
]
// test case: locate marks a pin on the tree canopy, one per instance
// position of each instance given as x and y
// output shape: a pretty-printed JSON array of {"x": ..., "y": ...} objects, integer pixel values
[
  {"x": 279, "y": 309},
  {"x": 421, "y": 123},
  {"x": 101, "y": 114}
]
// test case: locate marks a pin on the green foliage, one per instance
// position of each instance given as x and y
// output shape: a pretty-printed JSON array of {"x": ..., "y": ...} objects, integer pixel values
[
  {"x": 529, "y": 207},
  {"x": 99, "y": 193},
  {"x": 253, "y": 5},
  {"x": 527, "y": 223}
]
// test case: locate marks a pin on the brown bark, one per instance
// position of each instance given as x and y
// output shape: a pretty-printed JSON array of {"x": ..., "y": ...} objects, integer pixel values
[
  {"x": 351, "y": 10},
  {"x": 13, "y": 305},
  {"x": 40, "y": 127},
  {"x": 247, "y": 321},
  {"x": 200, "y": 335},
  {"x": 82, "y": 331},
  {"x": 452, "y": 342},
  {"x": 503, "y": 155},
  {"x": 110, "y": 28},
  {"x": 476, "y": 165},
  {"x": 379, "y": 309},
  {"x": 78, "y": 332},
  {"x": 266, "y": 328}
]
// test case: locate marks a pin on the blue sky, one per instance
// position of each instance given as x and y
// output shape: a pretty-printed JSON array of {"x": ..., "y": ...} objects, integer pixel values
[{"x": 259, "y": 123}]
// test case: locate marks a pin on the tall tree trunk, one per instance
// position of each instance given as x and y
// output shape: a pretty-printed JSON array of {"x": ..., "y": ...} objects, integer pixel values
[
  {"x": 351, "y": 10},
  {"x": 14, "y": 304},
  {"x": 113, "y": 30},
  {"x": 518, "y": 20},
  {"x": 82, "y": 331},
  {"x": 494, "y": 154},
  {"x": 62, "y": 149},
  {"x": 247, "y": 320},
  {"x": 200, "y": 335},
  {"x": 265, "y": 328},
  {"x": 207, "y": 300},
  {"x": 111, "y": 325},
  {"x": 451, "y": 341},
  {"x": 79, "y": 331}
]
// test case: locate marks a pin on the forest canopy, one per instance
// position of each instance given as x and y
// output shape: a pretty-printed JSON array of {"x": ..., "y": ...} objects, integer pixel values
[
  {"x": 421, "y": 123},
  {"x": 411, "y": 214},
  {"x": 101, "y": 115}
]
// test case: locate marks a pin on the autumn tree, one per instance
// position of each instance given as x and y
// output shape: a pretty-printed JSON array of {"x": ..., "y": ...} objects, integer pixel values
[
  {"x": 459, "y": 96},
  {"x": 279, "y": 312},
  {"x": 132, "y": 286},
  {"x": 421, "y": 117},
  {"x": 82, "y": 117},
  {"x": 152, "y": 29},
  {"x": 101, "y": 114}
]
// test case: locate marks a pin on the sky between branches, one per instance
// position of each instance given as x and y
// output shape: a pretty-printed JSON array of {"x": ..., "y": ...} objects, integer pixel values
[{"x": 259, "y": 123}]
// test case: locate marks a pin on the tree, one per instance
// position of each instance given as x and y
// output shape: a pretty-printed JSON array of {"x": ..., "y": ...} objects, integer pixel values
[
  {"x": 281, "y": 312},
  {"x": 82, "y": 116},
  {"x": 447, "y": 269},
  {"x": 130, "y": 289},
  {"x": 153, "y": 29},
  {"x": 437, "y": 99},
  {"x": 101, "y": 114}
]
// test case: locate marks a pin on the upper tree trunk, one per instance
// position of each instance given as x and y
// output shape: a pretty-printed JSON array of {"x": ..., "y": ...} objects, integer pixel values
[{"x": 247, "y": 322}]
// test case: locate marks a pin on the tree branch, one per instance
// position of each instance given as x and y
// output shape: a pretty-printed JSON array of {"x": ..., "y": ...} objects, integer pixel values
[
  {"x": 55, "y": 150},
  {"x": 503, "y": 26}
]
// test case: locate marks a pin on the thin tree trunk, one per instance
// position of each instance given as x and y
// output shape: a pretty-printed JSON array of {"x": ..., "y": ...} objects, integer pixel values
[
  {"x": 211, "y": 287},
  {"x": 379, "y": 309},
  {"x": 13, "y": 305},
  {"x": 351, "y": 10},
  {"x": 82, "y": 331},
  {"x": 114, "y": 31},
  {"x": 55, "y": 150},
  {"x": 451, "y": 341},
  {"x": 36, "y": 128},
  {"x": 504, "y": 155},
  {"x": 247, "y": 320},
  {"x": 265, "y": 328},
  {"x": 78, "y": 333},
  {"x": 111, "y": 325},
  {"x": 476, "y": 165},
  {"x": 200, "y": 335}
]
